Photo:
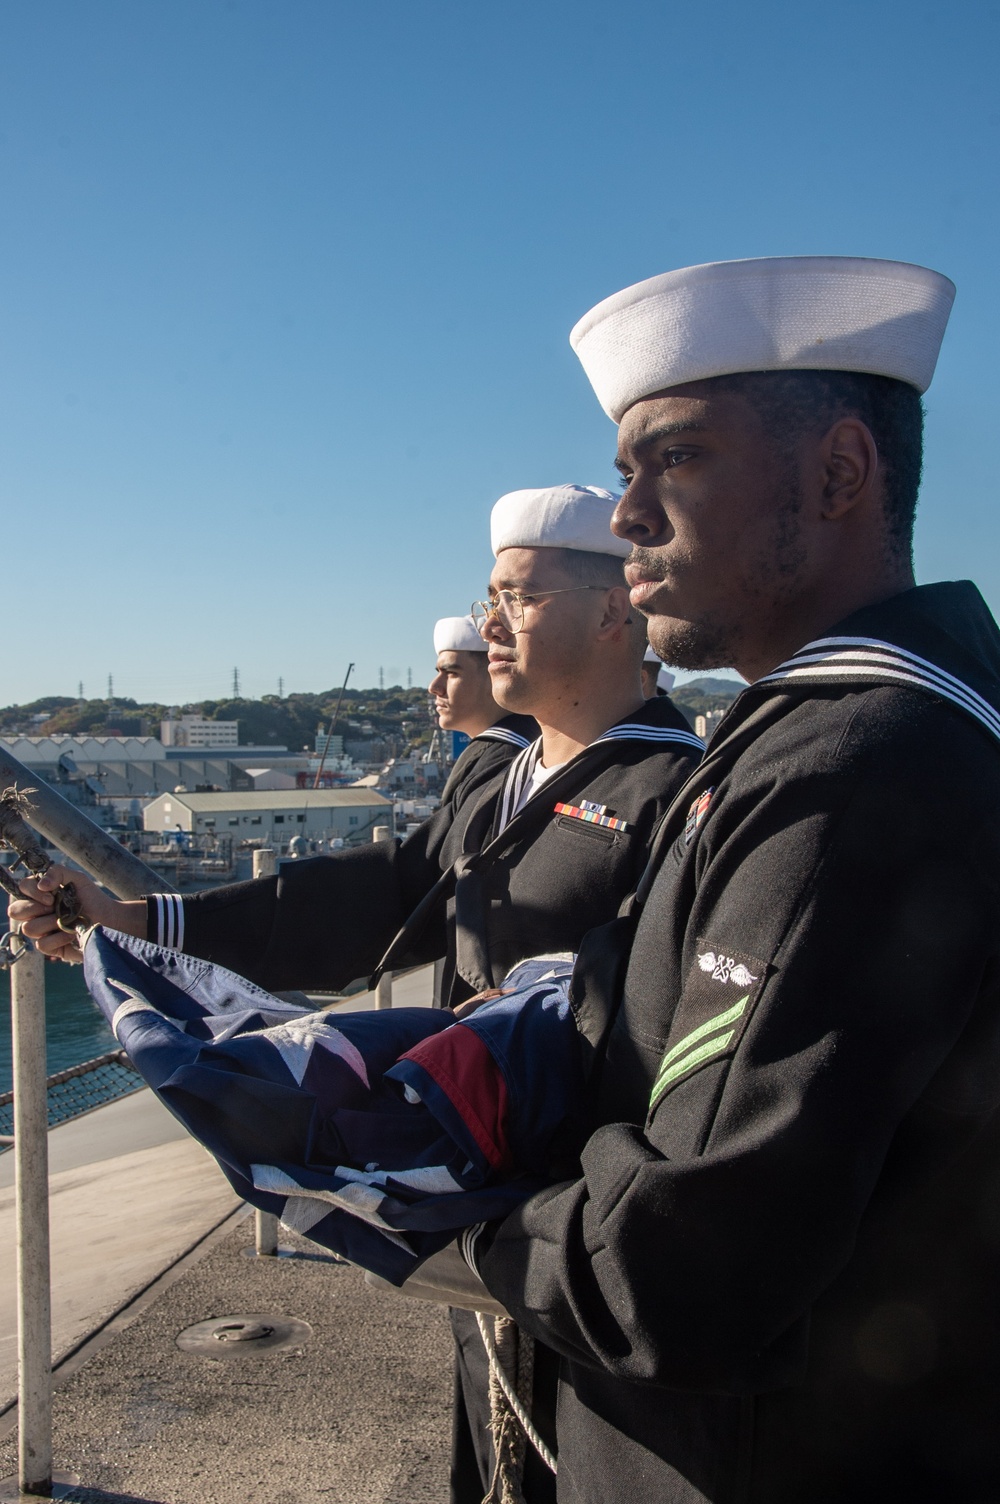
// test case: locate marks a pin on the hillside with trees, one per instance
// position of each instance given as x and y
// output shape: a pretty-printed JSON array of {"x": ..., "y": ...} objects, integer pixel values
[
  {"x": 702, "y": 696},
  {"x": 290, "y": 721}
]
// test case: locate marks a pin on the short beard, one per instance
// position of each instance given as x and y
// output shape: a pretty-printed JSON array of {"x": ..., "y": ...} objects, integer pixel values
[
  {"x": 773, "y": 580},
  {"x": 694, "y": 644}
]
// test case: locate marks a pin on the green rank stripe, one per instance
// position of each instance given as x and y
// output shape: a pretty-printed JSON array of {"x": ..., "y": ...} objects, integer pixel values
[{"x": 690, "y": 1052}]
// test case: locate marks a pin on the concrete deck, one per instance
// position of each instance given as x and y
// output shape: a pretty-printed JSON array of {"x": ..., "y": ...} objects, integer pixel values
[
  {"x": 358, "y": 1415},
  {"x": 116, "y": 1220}
]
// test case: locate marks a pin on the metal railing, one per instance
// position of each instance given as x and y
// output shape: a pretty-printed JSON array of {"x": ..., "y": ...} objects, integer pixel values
[
  {"x": 100, "y": 855},
  {"x": 126, "y": 876},
  {"x": 79, "y": 1089}
]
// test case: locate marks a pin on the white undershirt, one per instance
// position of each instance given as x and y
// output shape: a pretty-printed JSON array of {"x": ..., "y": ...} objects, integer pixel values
[{"x": 539, "y": 776}]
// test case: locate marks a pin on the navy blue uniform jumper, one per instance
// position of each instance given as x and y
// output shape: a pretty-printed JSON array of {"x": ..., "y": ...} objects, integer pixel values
[{"x": 777, "y": 1276}]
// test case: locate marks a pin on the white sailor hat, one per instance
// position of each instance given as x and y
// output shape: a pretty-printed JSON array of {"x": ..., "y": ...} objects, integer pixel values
[
  {"x": 458, "y": 634},
  {"x": 780, "y": 313},
  {"x": 664, "y": 679},
  {"x": 557, "y": 517}
]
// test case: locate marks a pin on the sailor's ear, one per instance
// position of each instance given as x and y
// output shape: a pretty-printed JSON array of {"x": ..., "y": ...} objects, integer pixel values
[
  {"x": 617, "y": 612},
  {"x": 849, "y": 457}
]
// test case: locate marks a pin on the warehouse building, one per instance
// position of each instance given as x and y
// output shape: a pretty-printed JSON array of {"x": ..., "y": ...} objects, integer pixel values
[
  {"x": 273, "y": 817},
  {"x": 37, "y": 750}
]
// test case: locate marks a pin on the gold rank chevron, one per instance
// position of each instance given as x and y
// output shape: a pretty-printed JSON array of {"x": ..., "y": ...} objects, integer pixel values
[{"x": 701, "y": 1044}]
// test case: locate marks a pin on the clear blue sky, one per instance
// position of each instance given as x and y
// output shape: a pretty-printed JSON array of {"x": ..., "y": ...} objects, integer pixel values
[{"x": 287, "y": 289}]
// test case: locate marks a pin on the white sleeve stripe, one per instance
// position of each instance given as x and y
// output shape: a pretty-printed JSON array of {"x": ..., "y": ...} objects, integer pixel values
[
  {"x": 169, "y": 920},
  {"x": 467, "y": 1244}
]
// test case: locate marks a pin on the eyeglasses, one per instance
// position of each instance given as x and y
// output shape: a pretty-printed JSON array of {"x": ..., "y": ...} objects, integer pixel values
[{"x": 508, "y": 606}]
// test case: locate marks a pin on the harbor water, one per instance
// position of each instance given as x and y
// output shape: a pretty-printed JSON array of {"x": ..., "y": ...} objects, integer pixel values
[{"x": 75, "y": 1029}]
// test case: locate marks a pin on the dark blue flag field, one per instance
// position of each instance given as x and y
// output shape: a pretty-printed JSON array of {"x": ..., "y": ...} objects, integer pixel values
[{"x": 379, "y": 1135}]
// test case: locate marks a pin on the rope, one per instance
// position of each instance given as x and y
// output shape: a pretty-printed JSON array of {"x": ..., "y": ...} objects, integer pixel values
[
  {"x": 508, "y": 1436},
  {"x": 498, "y": 1375}
]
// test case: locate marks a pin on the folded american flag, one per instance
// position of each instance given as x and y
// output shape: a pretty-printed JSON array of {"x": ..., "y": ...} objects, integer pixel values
[{"x": 378, "y": 1135}]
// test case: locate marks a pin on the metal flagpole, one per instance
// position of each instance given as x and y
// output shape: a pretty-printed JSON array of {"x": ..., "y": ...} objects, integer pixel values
[
  {"x": 383, "y": 992},
  {"x": 265, "y": 1223},
  {"x": 31, "y": 1181},
  {"x": 98, "y": 853},
  {"x": 75, "y": 834}
]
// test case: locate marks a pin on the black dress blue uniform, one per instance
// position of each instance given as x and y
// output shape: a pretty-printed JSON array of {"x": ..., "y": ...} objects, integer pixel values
[
  {"x": 777, "y": 1275},
  {"x": 477, "y": 883},
  {"x": 490, "y": 751},
  {"x": 481, "y": 887}
]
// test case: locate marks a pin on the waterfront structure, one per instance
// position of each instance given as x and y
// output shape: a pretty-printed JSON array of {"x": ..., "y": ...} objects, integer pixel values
[{"x": 272, "y": 817}]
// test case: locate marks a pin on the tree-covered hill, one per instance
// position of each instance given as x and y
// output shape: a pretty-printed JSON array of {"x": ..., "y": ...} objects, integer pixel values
[
  {"x": 701, "y": 696},
  {"x": 290, "y": 721}
]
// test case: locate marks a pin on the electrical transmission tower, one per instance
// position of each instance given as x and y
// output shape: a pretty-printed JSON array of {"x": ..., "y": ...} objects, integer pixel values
[{"x": 236, "y": 683}]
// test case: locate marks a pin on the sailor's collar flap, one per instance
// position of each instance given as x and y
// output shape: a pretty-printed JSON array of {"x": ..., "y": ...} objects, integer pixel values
[{"x": 939, "y": 639}]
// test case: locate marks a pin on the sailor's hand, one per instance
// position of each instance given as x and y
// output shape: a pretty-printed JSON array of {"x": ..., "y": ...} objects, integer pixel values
[
  {"x": 35, "y": 912},
  {"x": 472, "y": 1003}
]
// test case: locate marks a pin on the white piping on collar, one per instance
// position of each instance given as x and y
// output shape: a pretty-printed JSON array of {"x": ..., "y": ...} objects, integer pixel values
[
  {"x": 518, "y": 776},
  {"x": 636, "y": 731},
  {"x": 523, "y": 767},
  {"x": 503, "y": 734},
  {"x": 871, "y": 658}
]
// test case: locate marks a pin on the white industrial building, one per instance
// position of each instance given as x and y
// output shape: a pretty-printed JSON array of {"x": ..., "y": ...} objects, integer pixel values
[
  {"x": 33, "y": 750},
  {"x": 199, "y": 731},
  {"x": 271, "y": 778},
  {"x": 272, "y": 817}
]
